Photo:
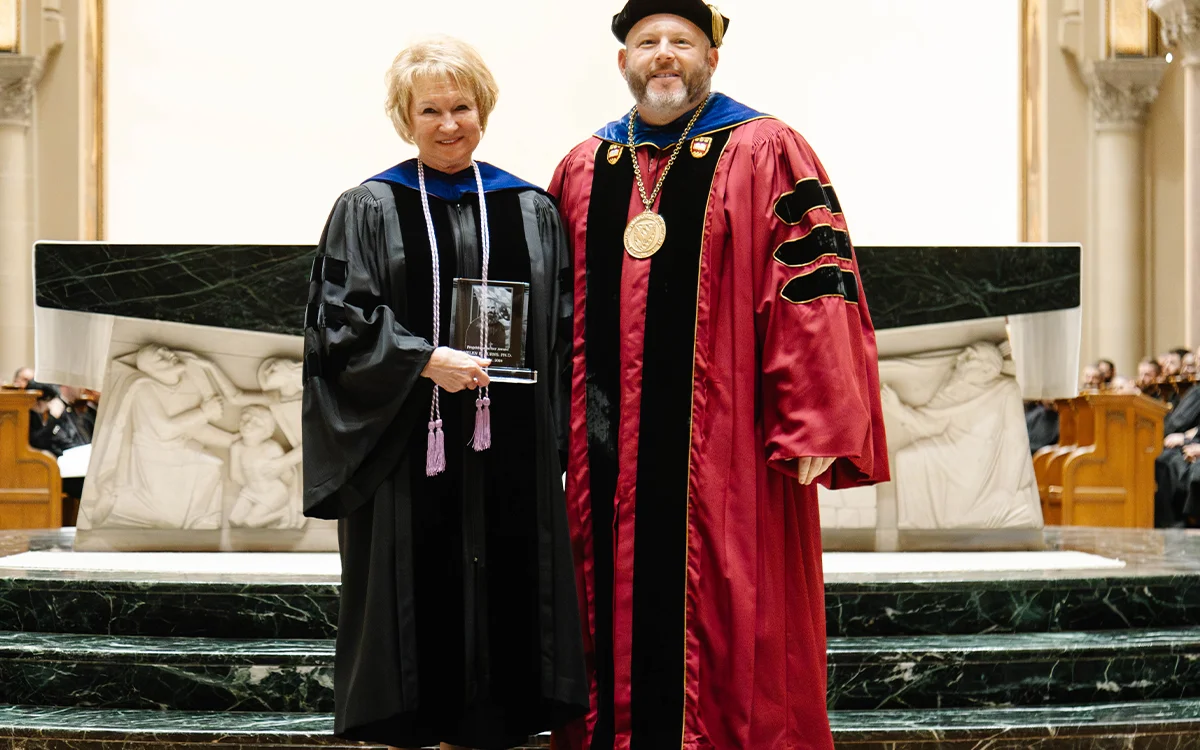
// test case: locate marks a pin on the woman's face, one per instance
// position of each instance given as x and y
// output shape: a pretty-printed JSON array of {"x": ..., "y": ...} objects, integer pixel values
[{"x": 445, "y": 125}]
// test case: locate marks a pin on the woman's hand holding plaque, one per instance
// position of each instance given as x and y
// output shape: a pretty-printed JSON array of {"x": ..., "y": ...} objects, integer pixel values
[{"x": 454, "y": 370}]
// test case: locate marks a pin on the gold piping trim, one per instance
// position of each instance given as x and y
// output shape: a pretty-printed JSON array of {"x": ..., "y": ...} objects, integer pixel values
[
  {"x": 818, "y": 268},
  {"x": 687, "y": 547},
  {"x": 830, "y": 186},
  {"x": 814, "y": 228},
  {"x": 822, "y": 256},
  {"x": 799, "y": 221},
  {"x": 814, "y": 299},
  {"x": 810, "y": 273},
  {"x": 694, "y": 135}
]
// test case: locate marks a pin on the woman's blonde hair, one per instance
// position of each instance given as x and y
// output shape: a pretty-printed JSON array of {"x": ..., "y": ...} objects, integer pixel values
[{"x": 440, "y": 58}]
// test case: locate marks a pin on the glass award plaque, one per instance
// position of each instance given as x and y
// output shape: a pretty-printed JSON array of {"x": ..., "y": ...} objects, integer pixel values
[{"x": 503, "y": 313}]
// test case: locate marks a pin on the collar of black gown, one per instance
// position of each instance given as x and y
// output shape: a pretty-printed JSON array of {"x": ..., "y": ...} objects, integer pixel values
[
  {"x": 721, "y": 113},
  {"x": 707, "y": 17},
  {"x": 452, "y": 187}
]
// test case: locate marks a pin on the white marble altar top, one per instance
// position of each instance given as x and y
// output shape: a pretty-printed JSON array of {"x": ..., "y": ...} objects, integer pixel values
[{"x": 328, "y": 564}]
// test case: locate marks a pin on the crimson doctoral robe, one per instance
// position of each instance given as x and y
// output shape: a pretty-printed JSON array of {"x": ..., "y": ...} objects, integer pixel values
[{"x": 700, "y": 376}]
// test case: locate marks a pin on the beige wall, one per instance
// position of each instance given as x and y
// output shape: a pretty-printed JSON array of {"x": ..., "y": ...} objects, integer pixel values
[
  {"x": 1069, "y": 183},
  {"x": 1165, "y": 156},
  {"x": 262, "y": 112},
  {"x": 63, "y": 129},
  {"x": 1067, "y": 149}
]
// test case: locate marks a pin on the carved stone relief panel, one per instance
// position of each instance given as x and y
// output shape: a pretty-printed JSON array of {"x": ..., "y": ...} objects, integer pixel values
[
  {"x": 957, "y": 442},
  {"x": 198, "y": 449}
]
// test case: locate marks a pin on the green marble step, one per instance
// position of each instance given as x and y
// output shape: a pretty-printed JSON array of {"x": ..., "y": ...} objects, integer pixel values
[
  {"x": 1151, "y": 725},
  {"x": 296, "y": 676},
  {"x": 1158, "y": 725},
  {"x": 1024, "y": 669},
  {"x": 35, "y": 727},
  {"x": 139, "y": 672},
  {"x": 174, "y": 606}
]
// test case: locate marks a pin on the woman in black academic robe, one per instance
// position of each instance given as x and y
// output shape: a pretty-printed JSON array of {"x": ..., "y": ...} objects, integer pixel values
[{"x": 459, "y": 620}]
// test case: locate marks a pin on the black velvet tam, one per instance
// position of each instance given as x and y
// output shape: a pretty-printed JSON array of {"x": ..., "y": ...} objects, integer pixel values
[{"x": 696, "y": 11}]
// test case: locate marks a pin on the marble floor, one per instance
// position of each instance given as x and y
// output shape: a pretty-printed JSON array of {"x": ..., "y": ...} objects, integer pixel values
[{"x": 1090, "y": 639}]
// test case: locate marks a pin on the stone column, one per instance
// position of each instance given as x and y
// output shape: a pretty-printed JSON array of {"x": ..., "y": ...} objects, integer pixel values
[
  {"x": 1181, "y": 30},
  {"x": 1122, "y": 91},
  {"x": 18, "y": 76}
]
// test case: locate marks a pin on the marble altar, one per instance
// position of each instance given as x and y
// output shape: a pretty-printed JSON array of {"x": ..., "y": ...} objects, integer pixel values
[
  {"x": 964, "y": 333},
  {"x": 198, "y": 440}
]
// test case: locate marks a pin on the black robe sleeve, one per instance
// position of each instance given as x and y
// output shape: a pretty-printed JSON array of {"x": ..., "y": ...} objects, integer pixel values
[
  {"x": 1185, "y": 415},
  {"x": 361, "y": 364},
  {"x": 562, "y": 331}
]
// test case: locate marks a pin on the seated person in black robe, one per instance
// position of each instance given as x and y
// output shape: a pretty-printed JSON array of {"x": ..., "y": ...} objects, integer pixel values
[
  {"x": 1173, "y": 465},
  {"x": 1041, "y": 420},
  {"x": 51, "y": 425},
  {"x": 459, "y": 620}
]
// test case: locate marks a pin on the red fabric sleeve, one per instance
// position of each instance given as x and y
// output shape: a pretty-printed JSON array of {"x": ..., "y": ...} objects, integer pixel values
[{"x": 819, "y": 358}]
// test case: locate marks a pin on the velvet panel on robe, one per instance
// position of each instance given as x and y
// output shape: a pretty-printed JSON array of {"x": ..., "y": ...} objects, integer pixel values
[
  {"x": 700, "y": 377},
  {"x": 458, "y": 619}
]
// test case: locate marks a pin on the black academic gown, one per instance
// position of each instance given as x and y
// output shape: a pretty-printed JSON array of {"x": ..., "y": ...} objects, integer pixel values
[
  {"x": 459, "y": 619},
  {"x": 1042, "y": 424},
  {"x": 1174, "y": 476}
]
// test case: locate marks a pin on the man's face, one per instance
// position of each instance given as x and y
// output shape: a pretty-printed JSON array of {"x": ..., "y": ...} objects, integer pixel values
[
  {"x": 668, "y": 63},
  {"x": 1147, "y": 373},
  {"x": 1106, "y": 371},
  {"x": 1172, "y": 364},
  {"x": 24, "y": 378}
]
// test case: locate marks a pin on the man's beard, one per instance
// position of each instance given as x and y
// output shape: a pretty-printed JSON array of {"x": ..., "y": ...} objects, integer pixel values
[{"x": 695, "y": 83}]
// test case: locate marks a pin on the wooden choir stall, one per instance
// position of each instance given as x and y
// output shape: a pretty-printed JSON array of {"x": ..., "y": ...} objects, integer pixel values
[
  {"x": 1101, "y": 473},
  {"x": 30, "y": 485}
]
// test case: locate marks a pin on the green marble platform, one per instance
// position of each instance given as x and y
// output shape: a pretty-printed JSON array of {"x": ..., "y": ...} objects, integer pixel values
[
  {"x": 1170, "y": 725},
  {"x": 1021, "y": 659}
]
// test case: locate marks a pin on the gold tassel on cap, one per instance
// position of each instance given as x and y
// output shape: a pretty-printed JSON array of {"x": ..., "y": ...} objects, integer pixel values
[{"x": 718, "y": 28}]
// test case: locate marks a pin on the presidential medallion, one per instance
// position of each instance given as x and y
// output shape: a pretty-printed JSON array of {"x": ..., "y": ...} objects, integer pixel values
[
  {"x": 647, "y": 231},
  {"x": 645, "y": 235}
]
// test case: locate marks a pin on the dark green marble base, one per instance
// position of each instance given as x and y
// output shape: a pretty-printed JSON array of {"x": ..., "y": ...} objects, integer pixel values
[
  {"x": 1011, "y": 605},
  {"x": 1033, "y": 659},
  {"x": 216, "y": 609},
  {"x": 856, "y": 609},
  {"x": 1168, "y": 725},
  {"x": 104, "y": 604},
  {"x": 1028, "y": 669},
  {"x": 989, "y": 671},
  {"x": 184, "y": 674},
  {"x": 30, "y": 728}
]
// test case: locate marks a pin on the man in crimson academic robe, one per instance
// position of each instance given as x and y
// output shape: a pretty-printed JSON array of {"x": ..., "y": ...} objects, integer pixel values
[{"x": 725, "y": 364}]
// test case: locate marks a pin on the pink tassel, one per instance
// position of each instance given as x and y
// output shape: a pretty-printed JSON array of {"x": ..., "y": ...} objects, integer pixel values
[
  {"x": 482, "y": 439},
  {"x": 435, "y": 455}
]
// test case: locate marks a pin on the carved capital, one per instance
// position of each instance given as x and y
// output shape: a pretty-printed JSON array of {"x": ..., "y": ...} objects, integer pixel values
[
  {"x": 1180, "y": 26},
  {"x": 18, "y": 78},
  {"x": 1123, "y": 89}
]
